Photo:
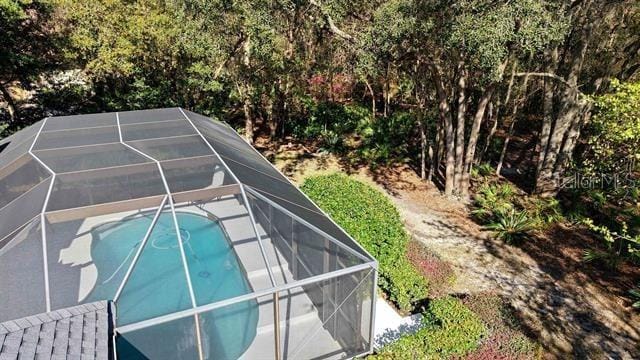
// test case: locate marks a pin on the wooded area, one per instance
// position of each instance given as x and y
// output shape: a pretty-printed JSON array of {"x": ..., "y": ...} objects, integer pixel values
[{"x": 461, "y": 71}]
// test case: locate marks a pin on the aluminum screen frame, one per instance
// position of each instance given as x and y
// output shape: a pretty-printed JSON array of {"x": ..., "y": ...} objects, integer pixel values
[{"x": 190, "y": 159}]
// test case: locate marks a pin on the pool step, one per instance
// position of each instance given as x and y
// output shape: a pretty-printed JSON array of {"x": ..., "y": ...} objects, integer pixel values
[
  {"x": 293, "y": 303},
  {"x": 292, "y": 323},
  {"x": 280, "y": 273}
]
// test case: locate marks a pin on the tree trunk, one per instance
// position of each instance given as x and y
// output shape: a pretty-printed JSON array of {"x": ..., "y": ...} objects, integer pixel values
[
  {"x": 496, "y": 114},
  {"x": 473, "y": 140},
  {"x": 386, "y": 91},
  {"x": 494, "y": 111},
  {"x": 514, "y": 119},
  {"x": 475, "y": 131},
  {"x": 248, "y": 116},
  {"x": 246, "y": 92},
  {"x": 461, "y": 115},
  {"x": 373, "y": 98},
  {"x": 449, "y": 137},
  {"x": 271, "y": 120},
  {"x": 11, "y": 105},
  {"x": 547, "y": 107},
  {"x": 423, "y": 147},
  {"x": 569, "y": 116},
  {"x": 431, "y": 162}
]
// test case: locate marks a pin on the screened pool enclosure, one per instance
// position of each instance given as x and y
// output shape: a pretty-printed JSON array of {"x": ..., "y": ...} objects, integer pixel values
[{"x": 207, "y": 251}]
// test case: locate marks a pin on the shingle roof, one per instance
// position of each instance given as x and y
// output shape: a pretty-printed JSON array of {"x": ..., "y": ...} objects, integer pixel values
[{"x": 82, "y": 331}]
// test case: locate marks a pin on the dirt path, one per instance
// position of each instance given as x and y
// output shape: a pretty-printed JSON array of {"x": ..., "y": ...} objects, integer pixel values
[
  {"x": 570, "y": 317},
  {"x": 568, "y": 312}
]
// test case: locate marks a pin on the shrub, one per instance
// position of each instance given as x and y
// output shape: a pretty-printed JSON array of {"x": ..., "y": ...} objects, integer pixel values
[
  {"x": 492, "y": 199},
  {"x": 635, "y": 295},
  {"x": 330, "y": 117},
  {"x": 368, "y": 216},
  {"x": 511, "y": 226},
  {"x": 457, "y": 329},
  {"x": 613, "y": 134},
  {"x": 619, "y": 245},
  {"x": 450, "y": 329},
  {"x": 482, "y": 170},
  {"x": 546, "y": 211},
  {"x": 386, "y": 139}
]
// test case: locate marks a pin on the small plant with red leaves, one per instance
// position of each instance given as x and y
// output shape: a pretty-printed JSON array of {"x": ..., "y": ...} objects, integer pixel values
[{"x": 438, "y": 272}]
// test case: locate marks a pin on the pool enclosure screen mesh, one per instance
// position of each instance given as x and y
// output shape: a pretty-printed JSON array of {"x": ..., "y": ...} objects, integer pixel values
[{"x": 207, "y": 250}]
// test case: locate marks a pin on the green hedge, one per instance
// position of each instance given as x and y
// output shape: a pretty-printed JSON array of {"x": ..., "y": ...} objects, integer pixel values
[
  {"x": 450, "y": 329},
  {"x": 367, "y": 215}
]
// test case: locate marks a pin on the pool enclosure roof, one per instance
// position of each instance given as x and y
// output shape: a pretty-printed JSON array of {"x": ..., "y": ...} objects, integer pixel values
[{"x": 65, "y": 171}]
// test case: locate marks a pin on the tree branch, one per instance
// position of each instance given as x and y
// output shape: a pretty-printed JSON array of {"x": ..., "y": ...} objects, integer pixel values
[
  {"x": 332, "y": 26},
  {"x": 547, "y": 75}
]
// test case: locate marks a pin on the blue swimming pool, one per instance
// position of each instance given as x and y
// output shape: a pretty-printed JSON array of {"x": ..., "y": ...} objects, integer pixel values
[{"x": 158, "y": 285}]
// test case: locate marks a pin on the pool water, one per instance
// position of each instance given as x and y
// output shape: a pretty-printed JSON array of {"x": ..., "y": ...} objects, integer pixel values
[{"x": 158, "y": 285}]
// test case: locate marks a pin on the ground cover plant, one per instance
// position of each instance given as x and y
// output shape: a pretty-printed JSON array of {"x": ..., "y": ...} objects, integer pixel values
[
  {"x": 439, "y": 273},
  {"x": 367, "y": 215},
  {"x": 450, "y": 329}
]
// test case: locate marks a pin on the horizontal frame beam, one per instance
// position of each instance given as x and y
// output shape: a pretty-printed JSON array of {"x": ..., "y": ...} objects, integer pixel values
[{"x": 205, "y": 308}]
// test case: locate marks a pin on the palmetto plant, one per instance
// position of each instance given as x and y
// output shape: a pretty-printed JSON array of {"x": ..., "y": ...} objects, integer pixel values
[
  {"x": 493, "y": 200},
  {"x": 635, "y": 295},
  {"x": 511, "y": 226}
]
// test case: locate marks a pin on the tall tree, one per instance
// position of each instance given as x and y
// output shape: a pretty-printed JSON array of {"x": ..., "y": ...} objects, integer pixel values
[{"x": 604, "y": 42}]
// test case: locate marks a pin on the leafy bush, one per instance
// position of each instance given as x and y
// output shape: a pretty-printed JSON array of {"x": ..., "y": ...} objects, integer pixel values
[
  {"x": 331, "y": 141},
  {"x": 635, "y": 295},
  {"x": 374, "y": 222},
  {"x": 492, "y": 199},
  {"x": 386, "y": 139},
  {"x": 512, "y": 216},
  {"x": 456, "y": 330},
  {"x": 481, "y": 170},
  {"x": 450, "y": 329},
  {"x": 511, "y": 226},
  {"x": 614, "y": 131},
  {"x": 331, "y": 117},
  {"x": 545, "y": 211},
  {"x": 619, "y": 245}
]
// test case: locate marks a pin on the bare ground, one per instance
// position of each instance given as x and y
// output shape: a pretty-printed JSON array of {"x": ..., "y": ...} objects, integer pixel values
[{"x": 572, "y": 309}]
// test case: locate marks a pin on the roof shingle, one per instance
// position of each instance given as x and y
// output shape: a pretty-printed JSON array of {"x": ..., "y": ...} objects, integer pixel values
[{"x": 82, "y": 331}]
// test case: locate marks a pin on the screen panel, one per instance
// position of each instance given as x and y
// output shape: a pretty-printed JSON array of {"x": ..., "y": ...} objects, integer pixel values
[
  {"x": 173, "y": 147},
  {"x": 223, "y": 253},
  {"x": 155, "y": 130},
  {"x": 77, "y": 137},
  {"x": 11, "y": 153},
  {"x": 179, "y": 341},
  {"x": 202, "y": 172},
  {"x": 80, "y": 121},
  {"x": 29, "y": 205},
  {"x": 19, "y": 177},
  {"x": 22, "y": 282},
  {"x": 239, "y": 331},
  {"x": 89, "y": 255},
  {"x": 302, "y": 251},
  {"x": 158, "y": 282},
  {"x": 151, "y": 115},
  {"x": 12, "y": 141},
  {"x": 342, "y": 307},
  {"x": 90, "y": 157},
  {"x": 92, "y": 187},
  {"x": 316, "y": 219}
]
